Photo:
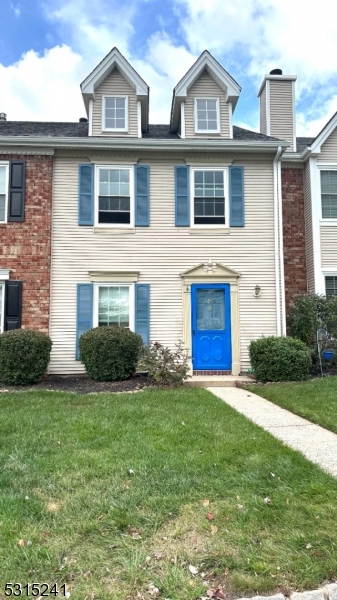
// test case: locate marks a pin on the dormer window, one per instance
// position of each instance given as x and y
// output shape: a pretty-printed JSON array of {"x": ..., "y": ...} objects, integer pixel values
[
  {"x": 207, "y": 118},
  {"x": 115, "y": 113}
]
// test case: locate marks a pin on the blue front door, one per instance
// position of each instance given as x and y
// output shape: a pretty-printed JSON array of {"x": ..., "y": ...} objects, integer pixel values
[{"x": 211, "y": 330}]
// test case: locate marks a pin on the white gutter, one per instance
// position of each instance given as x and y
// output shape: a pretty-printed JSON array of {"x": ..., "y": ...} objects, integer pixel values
[
  {"x": 276, "y": 240},
  {"x": 280, "y": 223},
  {"x": 140, "y": 144}
]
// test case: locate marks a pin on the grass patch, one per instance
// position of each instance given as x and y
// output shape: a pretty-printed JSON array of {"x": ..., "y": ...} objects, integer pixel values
[
  {"x": 67, "y": 491},
  {"x": 315, "y": 400}
]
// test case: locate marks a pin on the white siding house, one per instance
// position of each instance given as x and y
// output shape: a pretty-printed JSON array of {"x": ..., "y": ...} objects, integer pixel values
[{"x": 175, "y": 238}]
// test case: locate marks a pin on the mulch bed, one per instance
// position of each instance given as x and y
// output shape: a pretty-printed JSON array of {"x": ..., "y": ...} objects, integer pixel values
[{"x": 81, "y": 384}]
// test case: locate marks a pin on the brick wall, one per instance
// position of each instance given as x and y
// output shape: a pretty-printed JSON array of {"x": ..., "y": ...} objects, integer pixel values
[
  {"x": 293, "y": 233},
  {"x": 25, "y": 247}
]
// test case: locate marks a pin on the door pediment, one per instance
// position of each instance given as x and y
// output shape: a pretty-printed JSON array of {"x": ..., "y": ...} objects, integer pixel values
[{"x": 210, "y": 271}]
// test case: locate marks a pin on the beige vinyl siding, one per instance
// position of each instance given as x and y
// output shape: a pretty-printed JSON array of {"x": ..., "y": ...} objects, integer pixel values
[
  {"x": 329, "y": 247},
  {"x": 205, "y": 87},
  {"x": 309, "y": 249},
  {"x": 161, "y": 253},
  {"x": 329, "y": 149},
  {"x": 115, "y": 84},
  {"x": 263, "y": 111},
  {"x": 281, "y": 111}
]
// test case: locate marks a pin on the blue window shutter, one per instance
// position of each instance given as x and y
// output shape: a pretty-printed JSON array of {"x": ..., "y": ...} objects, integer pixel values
[
  {"x": 86, "y": 194},
  {"x": 84, "y": 311},
  {"x": 142, "y": 311},
  {"x": 236, "y": 197},
  {"x": 182, "y": 196},
  {"x": 142, "y": 195}
]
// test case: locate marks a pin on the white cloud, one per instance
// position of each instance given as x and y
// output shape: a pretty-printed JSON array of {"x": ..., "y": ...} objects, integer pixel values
[
  {"x": 163, "y": 66},
  {"x": 298, "y": 36},
  {"x": 249, "y": 37},
  {"x": 46, "y": 87},
  {"x": 16, "y": 9},
  {"x": 93, "y": 27},
  {"x": 42, "y": 87}
]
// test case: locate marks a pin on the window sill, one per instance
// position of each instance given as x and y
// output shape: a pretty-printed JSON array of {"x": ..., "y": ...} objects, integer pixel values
[
  {"x": 207, "y": 131},
  {"x": 115, "y": 131},
  {"x": 114, "y": 230},
  {"x": 328, "y": 222},
  {"x": 210, "y": 230}
]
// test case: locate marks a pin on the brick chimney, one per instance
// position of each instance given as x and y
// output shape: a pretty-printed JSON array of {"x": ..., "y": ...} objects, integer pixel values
[
  {"x": 3, "y": 116},
  {"x": 277, "y": 107}
]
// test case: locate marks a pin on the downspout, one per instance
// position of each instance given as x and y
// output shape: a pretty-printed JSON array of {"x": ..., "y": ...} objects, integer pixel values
[
  {"x": 280, "y": 222},
  {"x": 276, "y": 241}
]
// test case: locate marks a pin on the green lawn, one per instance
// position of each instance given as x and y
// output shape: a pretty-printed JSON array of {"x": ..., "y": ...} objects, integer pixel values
[
  {"x": 110, "y": 493},
  {"x": 315, "y": 400}
]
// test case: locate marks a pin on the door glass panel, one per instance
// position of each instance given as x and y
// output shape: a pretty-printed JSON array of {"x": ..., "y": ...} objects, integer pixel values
[{"x": 210, "y": 309}]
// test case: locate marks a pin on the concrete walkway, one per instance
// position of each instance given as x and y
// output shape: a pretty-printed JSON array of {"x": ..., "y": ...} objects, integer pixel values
[{"x": 316, "y": 443}]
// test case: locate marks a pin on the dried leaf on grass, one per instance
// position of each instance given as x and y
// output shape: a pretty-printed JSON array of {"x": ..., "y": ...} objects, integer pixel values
[
  {"x": 153, "y": 591},
  {"x": 215, "y": 593},
  {"x": 192, "y": 569},
  {"x": 135, "y": 533}
]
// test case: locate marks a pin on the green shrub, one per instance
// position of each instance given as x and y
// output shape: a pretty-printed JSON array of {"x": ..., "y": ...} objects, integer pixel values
[
  {"x": 24, "y": 356},
  {"x": 279, "y": 359},
  {"x": 110, "y": 353},
  {"x": 310, "y": 312},
  {"x": 165, "y": 366}
]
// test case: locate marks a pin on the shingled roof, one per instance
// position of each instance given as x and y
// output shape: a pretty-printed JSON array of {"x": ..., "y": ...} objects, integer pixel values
[
  {"x": 55, "y": 129},
  {"x": 43, "y": 129},
  {"x": 303, "y": 142}
]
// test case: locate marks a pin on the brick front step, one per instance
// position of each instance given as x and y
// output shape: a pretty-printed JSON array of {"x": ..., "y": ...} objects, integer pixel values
[{"x": 206, "y": 373}]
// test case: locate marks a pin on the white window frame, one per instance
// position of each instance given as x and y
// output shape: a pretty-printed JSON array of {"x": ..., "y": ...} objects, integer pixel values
[
  {"x": 124, "y": 129},
  {"x": 209, "y": 131},
  {"x": 2, "y": 315},
  {"x": 324, "y": 167},
  {"x": 130, "y": 168},
  {"x": 131, "y": 287},
  {"x": 224, "y": 170},
  {"x": 5, "y": 163}
]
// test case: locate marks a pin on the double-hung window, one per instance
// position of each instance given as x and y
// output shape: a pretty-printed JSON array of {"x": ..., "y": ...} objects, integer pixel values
[
  {"x": 3, "y": 191},
  {"x": 209, "y": 197},
  {"x": 114, "y": 305},
  {"x": 114, "y": 196},
  {"x": 115, "y": 113},
  {"x": 207, "y": 118},
  {"x": 329, "y": 194}
]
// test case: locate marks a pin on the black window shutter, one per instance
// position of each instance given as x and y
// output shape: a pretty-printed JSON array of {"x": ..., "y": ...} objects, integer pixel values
[
  {"x": 16, "y": 204},
  {"x": 13, "y": 301}
]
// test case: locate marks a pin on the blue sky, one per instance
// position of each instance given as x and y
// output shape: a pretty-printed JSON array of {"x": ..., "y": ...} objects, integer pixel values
[{"x": 47, "y": 47}]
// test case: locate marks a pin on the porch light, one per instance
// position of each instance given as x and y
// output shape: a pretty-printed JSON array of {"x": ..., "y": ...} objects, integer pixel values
[{"x": 257, "y": 291}]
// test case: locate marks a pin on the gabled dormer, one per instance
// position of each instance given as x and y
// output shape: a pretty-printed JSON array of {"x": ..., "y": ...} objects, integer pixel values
[
  {"x": 116, "y": 98},
  {"x": 204, "y": 101}
]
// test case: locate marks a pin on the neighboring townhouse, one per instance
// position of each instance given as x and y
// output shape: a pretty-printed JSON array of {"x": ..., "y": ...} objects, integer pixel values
[
  {"x": 25, "y": 233},
  {"x": 320, "y": 199},
  {"x": 176, "y": 231},
  {"x": 309, "y": 192}
]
